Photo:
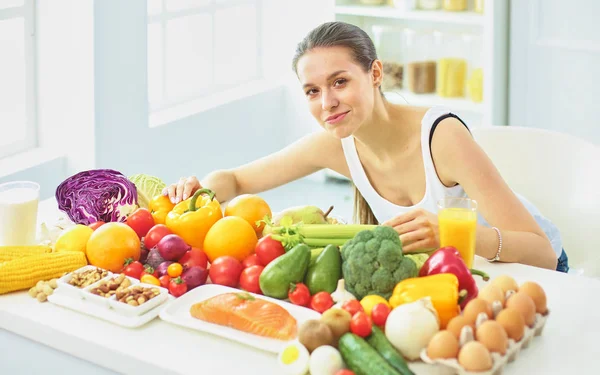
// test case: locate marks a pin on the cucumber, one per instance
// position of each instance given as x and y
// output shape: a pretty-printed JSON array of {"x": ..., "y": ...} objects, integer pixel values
[
  {"x": 361, "y": 358},
  {"x": 382, "y": 345}
]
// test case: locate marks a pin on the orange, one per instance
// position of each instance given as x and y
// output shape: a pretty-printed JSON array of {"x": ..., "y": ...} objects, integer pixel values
[
  {"x": 111, "y": 244},
  {"x": 251, "y": 208},
  {"x": 231, "y": 236}
]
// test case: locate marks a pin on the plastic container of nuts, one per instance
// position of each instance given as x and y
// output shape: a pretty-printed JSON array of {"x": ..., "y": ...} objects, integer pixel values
[
  {"x": 138, "y": 299},
  {"x": 73, "y": 282},
  {"x": 102, "y": 290}
]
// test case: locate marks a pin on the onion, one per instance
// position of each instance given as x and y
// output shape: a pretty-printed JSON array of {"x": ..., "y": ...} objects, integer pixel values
[
  {"x": 162, "y": 268},
  {"x": 172, "y": 247}
]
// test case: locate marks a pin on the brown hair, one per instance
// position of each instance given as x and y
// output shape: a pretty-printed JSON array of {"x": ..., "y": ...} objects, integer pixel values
[{"x": 362, "y": 211}]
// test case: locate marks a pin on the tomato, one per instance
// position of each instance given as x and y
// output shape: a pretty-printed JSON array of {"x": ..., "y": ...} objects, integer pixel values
[
  {"x": 344, "y": 371},
  {"x": 175, "y": 269},
  {"x": 148, "y": 270},
  {"x": 164, "y": 281},
  {"x": 149, "y": 279},
  {"x": 249, "y": 279},
  {"x": 268, "y": 249},
  {"x": 194, "y": 257},
  {"x": 225, "y": 270},
  {"x": 133, "y": 268},
  {"x": 96, "y": 225},
  {"x": 321, "y": 301},
  {"x": 251, "y": 260},
  {"x": 360, "y": 324},
  {"x": 352, "y": 306},
  {"x": 379, "y": 314},
  {"x": 177, "y": 287},
  {"x": 155, "y": 234},
  {"x": 299, "y": 294},
  {"x": 141, "y": 221}
]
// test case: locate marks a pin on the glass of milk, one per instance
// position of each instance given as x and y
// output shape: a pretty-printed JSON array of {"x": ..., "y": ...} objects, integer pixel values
[{"x": 18, "y": 213}]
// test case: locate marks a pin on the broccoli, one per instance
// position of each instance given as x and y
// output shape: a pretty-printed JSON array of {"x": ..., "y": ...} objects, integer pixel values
[{"x": 373, "y": 263}]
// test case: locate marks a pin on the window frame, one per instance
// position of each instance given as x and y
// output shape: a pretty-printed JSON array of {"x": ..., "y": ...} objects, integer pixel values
[
  {"x": 27, "y": 11},
  {"x": 214, "y": 90}
]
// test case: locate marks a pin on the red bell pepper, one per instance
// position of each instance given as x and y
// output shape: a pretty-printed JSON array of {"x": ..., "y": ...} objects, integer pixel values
[{"x": 448, "y": 260}]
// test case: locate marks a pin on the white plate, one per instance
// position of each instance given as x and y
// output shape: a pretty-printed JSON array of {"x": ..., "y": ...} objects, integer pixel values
[
  {"x": 63, "y": 282},
  {"x": 104, "y": 313},
  {"x": 178, "y": 312}
]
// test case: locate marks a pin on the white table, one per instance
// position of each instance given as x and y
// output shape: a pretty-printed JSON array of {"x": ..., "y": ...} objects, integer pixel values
[{"x": 569, "y": 344}]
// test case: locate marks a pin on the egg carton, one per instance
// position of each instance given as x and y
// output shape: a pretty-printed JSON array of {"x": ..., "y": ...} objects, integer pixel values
[{"x": 499, "y": 362}]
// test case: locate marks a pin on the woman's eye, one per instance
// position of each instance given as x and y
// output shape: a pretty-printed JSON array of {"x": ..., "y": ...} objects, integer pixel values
[
  {"x": 339, "y": 82},
  {"x": 311, "y": 92}
]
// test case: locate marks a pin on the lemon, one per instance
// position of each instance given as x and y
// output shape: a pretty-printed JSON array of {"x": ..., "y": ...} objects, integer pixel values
[
  {"x": 368, "y": 302},
  {"x": 74, "y": 238}
]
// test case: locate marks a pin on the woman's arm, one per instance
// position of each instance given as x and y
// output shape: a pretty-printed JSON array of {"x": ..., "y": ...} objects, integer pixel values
[
  {"x": 309, "y": 154},
  {"x": 459, "y": 159}
]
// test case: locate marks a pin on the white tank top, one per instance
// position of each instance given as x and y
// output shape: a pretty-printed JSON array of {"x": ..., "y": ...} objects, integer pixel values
[{"x": 435, "y": 190}]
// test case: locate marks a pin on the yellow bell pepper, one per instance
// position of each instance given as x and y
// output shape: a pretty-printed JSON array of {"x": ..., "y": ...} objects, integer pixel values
[
  {"x": 159, "y": 207},
  {"x": 441, "y": 288},
  {"x": 192, "y": 218}
]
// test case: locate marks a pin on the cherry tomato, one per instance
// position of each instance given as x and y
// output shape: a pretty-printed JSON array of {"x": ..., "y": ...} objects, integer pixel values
[
  {"x": 155, "y": 234},
  {"x": 177, "y": 287},
  {"x": 249, "y": 279},
  {"x": 149, "y": 279},
  {"x": 344, "y": 371},
  {"x": 164, "y": 281},
  {"x": 380, "y": 313},
  {"x": 141, "y": 221},
  {"x": 194, "y": 257},
  {"x": 353, "y": 306},
  {"x": 133, "y": 268},
  {"x": 251, "y": 260},
  {"x": 299, "y": 294},
  {"x": 174, "y": 269},
  {"x": 96, "y": 225},
  {"x": 225, "y": 270},
  {"x": 148, "y": 270},
  {"x": 321, "y": 302},
  {"x": 268, "y": 249},
  {"x": 360, "y": 324}
]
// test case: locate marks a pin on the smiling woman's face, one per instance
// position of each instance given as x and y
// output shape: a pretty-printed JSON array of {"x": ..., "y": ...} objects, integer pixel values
[{"x": 339, "y": 92}]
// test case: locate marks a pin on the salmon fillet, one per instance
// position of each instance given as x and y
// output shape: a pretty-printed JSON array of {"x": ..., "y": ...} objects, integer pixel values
[{"x": 246, "y": 313}]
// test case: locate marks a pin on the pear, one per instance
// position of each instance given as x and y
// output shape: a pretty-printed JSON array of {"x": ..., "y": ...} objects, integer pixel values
[{"x": 305, "y": 214}]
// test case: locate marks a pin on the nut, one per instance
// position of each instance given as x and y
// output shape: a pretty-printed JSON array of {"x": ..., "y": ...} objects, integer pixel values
[
  {"x": 137, "y": 295},
  {"x": 41, "y": 297},
  {"x": 87, "y": 277},
  {"x": 111, "y": 287}
]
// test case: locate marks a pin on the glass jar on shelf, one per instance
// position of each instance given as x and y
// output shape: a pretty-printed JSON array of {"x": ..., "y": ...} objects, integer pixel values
[
  {"x": 420, "y": 61},
  {"x": 474, "y": 83},
  {"x": 455, "y": 5},
  {"x": 388, "y": 44},
  {"x": 451, "y": 65},
  {"x": 429, "y": 4}
]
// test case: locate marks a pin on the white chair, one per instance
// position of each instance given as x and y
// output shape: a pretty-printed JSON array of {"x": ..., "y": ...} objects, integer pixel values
[{"x": 560, "y": 175}]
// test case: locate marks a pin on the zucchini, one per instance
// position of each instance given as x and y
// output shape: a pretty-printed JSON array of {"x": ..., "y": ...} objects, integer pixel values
[
  {"x": 385, "y": 349},
  {"x": 361, "y": 358}
]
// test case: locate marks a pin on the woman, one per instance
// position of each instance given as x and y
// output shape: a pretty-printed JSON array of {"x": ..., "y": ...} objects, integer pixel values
[{"x": 400, "y": 167}]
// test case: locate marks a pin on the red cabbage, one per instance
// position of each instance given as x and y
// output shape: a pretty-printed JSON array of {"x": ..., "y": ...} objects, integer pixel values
[{"x": 97, "y": 195}]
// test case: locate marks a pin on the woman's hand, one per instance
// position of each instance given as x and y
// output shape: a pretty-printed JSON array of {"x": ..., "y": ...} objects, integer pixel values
[
  {"x": 182, "y": 190},
  {"x": 418, "y": 230}
]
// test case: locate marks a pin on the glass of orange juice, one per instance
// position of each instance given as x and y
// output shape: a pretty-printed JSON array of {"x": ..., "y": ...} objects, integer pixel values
[{"x": 457, "y": 220}]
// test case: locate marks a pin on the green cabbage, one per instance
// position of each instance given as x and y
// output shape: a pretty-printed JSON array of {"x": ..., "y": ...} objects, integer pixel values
[{"x": 147, "y": 187}]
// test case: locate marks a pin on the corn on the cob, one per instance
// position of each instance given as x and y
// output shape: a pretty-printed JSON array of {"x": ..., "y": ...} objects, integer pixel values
[
  {"x": 23, "y": 273},
  {"x": 13, "y": 252}
]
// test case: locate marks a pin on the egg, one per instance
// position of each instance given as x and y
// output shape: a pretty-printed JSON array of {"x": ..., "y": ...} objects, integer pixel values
[
  {"x": 474, "y": 356},
  {"x": 325, "y": 360},
  {"x": 493, "y": 335},
  {"x": 513, "y": 323},
  {"x": 537, "y": 294},
  {"x": 443, "y": 345},
  {"x": 492, "y": 293},
  {"x": 476, "y": 306},
  {"x": 456, "y": 324},
  {"x": 294, "y": 359},
  {"x": 525, "y": 305},
  {"x": 505, "y": 283}
]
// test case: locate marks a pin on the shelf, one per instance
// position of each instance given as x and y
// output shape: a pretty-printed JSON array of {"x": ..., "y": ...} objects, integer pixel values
[
  {"x": 404, "y": 96},
  {"x": 438, "y": 16}
]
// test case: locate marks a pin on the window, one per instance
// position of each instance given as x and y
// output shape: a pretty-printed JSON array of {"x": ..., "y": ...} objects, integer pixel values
[
  {"x": 17, "y": 107},
  {"x": 197, "y": 48}
]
